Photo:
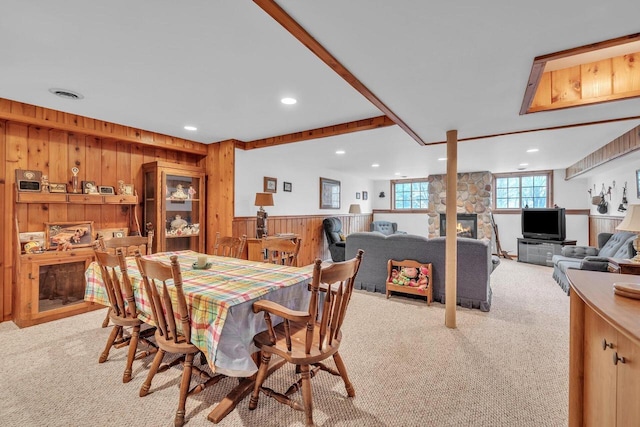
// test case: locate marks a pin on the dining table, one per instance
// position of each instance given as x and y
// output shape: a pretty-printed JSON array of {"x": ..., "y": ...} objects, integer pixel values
[{"x": 220, "y": 298}]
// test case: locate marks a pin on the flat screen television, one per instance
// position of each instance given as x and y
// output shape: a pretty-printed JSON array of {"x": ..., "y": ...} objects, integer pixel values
[{"x": 544, "y": 223}]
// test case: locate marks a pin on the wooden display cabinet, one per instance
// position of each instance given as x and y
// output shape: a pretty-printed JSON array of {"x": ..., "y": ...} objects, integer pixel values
[
  {"x": 174, "y": 206},
  {"x": 52, "y": 286}
]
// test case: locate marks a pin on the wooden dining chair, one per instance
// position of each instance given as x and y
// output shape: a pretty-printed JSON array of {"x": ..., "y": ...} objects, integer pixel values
[
  {"x": 173, "y": 332},
  {"x": 307, "y": 338},
  {"x": 229, "y": 246},
  {"x": 129, "y": 245},
  {"x": 123, "y": 312},
  {"x": 282, "y": 251}
]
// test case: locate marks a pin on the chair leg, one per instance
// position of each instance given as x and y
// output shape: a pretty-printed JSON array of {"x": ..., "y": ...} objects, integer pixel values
[
  {"x": 306, "y": 394},
  {"x": 343, "y": 373},
  {"x": 144, "y": 390},
  {"x": 112, "y": 339},
  {"x": 105, "y": 322},
  {"x": 262, "y": 374},
  {"x": 133, "y": 348},
  {"x": 184, "y": 389}
]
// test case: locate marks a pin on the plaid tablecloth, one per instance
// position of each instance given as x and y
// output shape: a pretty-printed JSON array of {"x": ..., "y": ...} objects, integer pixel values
[{"x": 230, "y": 285}]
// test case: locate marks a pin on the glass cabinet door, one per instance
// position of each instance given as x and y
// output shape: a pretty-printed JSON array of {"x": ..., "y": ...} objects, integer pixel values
[
  {"x": 182, "y": 208},
  {"x": 174, "y": 206}
]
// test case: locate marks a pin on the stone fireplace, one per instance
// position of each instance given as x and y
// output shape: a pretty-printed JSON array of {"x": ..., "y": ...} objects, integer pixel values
[
  {"x": 466, "y": 226},
  {"x": 473, "y": 198}
]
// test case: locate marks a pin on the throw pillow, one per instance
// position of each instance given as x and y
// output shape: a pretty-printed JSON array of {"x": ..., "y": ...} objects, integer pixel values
[{"x": 342, "y": 237}]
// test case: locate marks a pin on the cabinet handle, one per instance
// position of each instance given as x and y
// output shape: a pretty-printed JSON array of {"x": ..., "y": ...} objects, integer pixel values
[
  {"x": 616, "y": 359},
  {"x": 606, "y": 344}
]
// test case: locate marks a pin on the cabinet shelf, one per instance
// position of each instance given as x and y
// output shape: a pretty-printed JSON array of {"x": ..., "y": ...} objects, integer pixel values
[{"x": 77, "y": 199}]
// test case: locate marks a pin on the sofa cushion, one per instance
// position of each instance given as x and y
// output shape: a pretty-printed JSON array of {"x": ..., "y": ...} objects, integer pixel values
[{"x": 616, "y": 246}]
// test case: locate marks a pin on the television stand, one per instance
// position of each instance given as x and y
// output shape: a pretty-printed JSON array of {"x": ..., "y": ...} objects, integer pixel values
[{"x": 539, "y": 251}]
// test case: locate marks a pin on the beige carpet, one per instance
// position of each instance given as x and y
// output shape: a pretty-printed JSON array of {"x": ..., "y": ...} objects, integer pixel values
[{"x": 508, "y": 367}]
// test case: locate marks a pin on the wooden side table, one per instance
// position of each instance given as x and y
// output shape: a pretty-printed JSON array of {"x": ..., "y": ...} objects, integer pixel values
[{"x": 623, "y": 266}]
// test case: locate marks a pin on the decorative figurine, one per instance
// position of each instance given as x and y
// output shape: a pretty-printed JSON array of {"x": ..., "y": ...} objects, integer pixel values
[
  {"x": 44, "y": 184},
  {"x": 178, "y": 223},
  {"x": 192, "y": 192},
  {"x": 121, "y": 189},
  {"x": 74, "y": 179},
  {"x": 179, "y": 194}
]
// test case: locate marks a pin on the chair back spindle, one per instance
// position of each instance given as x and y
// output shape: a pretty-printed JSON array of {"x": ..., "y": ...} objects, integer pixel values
[
  {"x": 282, "y": 251},
  {"x": 229, "y": 246},
  {"x": 167, "y": 313},
  {"x": 113, "y": 268}
]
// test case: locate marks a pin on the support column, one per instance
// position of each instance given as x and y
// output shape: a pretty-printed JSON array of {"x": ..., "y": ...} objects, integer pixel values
[{"x": 451, "y": 243}]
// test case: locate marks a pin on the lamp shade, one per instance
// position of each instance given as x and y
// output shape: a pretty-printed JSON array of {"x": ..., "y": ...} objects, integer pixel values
[
  {"x": 355, "y": 209},
  {"x": 631, "y": 221},
  {"x": 264, "y": 199}
]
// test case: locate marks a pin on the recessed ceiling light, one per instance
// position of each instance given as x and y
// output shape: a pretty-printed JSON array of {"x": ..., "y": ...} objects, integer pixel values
[
  {"x": 375, "y": 165},
  {"x": 442, "y": 159},
  {"x": 288, "y": 101},
  {"x": 521, "y": 169},
  {"x": 340, "y": 152},
  {"x": 66, "y": 93},
  {"x": 532, "y": 150},
  {"x": 523, "y": 164},
  {"x": 190, "y": 127},
  {"x": 397, "y": 174}
]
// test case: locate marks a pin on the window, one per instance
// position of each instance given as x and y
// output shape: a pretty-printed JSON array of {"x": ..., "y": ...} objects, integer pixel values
[
  {"x": 520, "y": 190},
  {"x": 410, "y": 194}
]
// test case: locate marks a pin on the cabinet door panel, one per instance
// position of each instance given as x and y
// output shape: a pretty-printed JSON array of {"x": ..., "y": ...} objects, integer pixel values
[
  {"x": 628, "y": 383},
  {"x": 599, "y": 372}
]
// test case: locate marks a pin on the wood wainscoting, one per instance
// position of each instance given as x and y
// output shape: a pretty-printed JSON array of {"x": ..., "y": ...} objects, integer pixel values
[
  {"x": 602, "y": 224},
  {"x": 308, "y": 227}
]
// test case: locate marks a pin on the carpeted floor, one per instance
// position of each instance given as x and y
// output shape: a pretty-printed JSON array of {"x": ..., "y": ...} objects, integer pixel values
[{"x": 507, "y": 367}]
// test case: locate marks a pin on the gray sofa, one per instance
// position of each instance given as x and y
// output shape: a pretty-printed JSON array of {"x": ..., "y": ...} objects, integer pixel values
[
  {"x": 475, "y": 264},
  {"x": 385, "y": 227},
  {"x": 616, "y": 245}
]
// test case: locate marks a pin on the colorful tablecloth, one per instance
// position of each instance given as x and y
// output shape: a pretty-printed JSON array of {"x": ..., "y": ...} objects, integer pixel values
[{"x": 220, "y": 299}]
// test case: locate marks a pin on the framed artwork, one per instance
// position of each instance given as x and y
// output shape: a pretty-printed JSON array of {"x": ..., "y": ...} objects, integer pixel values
[
  {"x": 89, "y": 187},
  {"x": 76, "y": 234},
  {"x": 357, "y": 195},
  {"x": 365, "y": 195},
  {"x": 329, "y": 193},
  {"x": 638, "y": 183},
  {"x": 270, "y": 185},
  {"x": 58, "y": 187},
  {"x": 105, "y": 189},
  {"x": 128, "y": 189},
  {"x": 109, "y": 233},
  {"x": 286, "y": 187}
]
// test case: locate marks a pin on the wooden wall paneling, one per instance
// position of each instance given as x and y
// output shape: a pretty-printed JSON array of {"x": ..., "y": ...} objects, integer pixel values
[
  {"x": 5, "y": 228},
  {"x": 59, "y": 169},
  {"x": 76, "y": 150},
  {"x": 625, "y": 76},
  {"x": 134, "y": 174},
  {"x": 565, "y": 85},
  {"x": 37, "y": 146},
  {"x": 94, "y": 165},
  {"x": 110, "y": 216},
  {"x": 602, "y": 224},
  {"x": 596, "y": 79},
  {"x": 220, "y": 188}
]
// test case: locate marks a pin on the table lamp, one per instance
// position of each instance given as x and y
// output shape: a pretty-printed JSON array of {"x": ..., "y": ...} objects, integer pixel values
[
  {"x": 631, "y": 222},
  {"x": 262, "y": 199},
  {"x": 354, "y": 209}
]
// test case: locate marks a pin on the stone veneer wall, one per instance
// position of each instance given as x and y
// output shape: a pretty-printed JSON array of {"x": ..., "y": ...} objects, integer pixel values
[{"x": 474, "y": 196}]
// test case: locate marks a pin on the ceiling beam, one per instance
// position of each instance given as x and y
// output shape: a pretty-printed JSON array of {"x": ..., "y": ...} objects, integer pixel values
[
  {"x": 296, "y": 30},
  {"x": 334, "y": 130}
]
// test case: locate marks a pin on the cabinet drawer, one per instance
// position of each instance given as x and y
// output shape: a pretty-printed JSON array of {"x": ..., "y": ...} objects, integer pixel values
[
  {"x": 41, "y": 198},
  {"x": 121, "y": 199},
  {"x": 85, "y": 198}
]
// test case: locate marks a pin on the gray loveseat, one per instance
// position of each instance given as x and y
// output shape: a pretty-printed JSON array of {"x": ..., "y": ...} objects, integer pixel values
[
  {"x": 475, "y": 264},
  {"x": 617, "y": 245}
]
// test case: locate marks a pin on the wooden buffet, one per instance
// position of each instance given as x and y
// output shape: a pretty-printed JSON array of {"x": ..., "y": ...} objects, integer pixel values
[{"x": 604, "y": 351}]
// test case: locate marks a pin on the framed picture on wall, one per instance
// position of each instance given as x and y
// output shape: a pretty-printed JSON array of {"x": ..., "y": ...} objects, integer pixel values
[
  {"x": 329, "y": 194},
  {"x": 365, "y": 195},
  {"x": 287, "y": 187},
  {"x": 638, "y": 183},
  {"x": 270, "y": 184}
]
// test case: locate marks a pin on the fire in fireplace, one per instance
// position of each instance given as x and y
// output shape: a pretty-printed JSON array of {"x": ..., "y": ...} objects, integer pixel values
[{"x": 467, "y": 225}]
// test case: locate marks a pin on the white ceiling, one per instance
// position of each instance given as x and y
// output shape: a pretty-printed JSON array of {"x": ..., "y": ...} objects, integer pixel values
[{"x": 224, "y": 65}]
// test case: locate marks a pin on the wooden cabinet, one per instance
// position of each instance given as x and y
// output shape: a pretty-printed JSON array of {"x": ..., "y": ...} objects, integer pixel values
[
  {"x": 623, "y": 266},
  {"x": 51, "y": 286},
  {"x": 174, "y": 206},
  {"x": 541, "y": 252},
  {"x": 604, "y": 370}
]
